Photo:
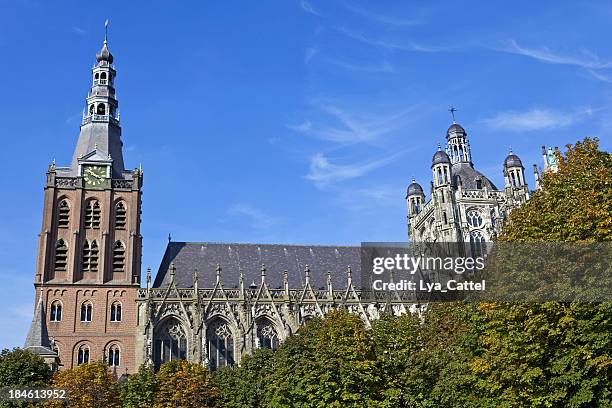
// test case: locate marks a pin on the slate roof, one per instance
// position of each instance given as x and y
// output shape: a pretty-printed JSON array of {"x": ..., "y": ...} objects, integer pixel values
[
  {"x": 187, "y": 256},
  {"x": 468, "y": 176},
  {"x": 37, "y": 340}
]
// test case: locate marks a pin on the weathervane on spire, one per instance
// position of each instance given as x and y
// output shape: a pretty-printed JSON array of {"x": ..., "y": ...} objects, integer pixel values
[
  {"x": 106, "y": 31},
  {"x": 452, "y": 111}
]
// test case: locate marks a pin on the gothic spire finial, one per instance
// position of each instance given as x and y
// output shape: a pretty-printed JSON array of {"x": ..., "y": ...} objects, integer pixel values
[
  {"x": 263, "y": 272},
  {"x": 307, "y": 274},
  {"x": 218, "y": 272}
]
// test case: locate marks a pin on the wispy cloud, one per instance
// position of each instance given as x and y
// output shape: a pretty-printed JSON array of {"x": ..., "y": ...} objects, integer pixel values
[
  {"x": 383, "y": 67},
  {"x": 258, "y": 219},
  {"x": 536, "y": 119},
  {"x": 307, "y": 7},
  {"x": 78, "y": 30},
  {"x": 352, "y": 127},
  {"x": 323, "y": 172},
  {"x": 586, "y": 59},
  {"x": 389, "y": 45},
  {"x": 309, "y": 54},
  {"x": 383, "y": 19}
]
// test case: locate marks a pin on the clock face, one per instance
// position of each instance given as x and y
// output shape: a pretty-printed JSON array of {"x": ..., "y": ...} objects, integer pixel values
[{"x": 94, "y": 176}]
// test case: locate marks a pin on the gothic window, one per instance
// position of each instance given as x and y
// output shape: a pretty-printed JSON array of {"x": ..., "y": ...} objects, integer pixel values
[
  {"x": 90, "y": 256},
  {"x": 474, "y": 219},
  {"x": 477, "y": 243},
  {"x": 56, "y": 311},
  {"x": 118, "y": 257},
  {"x": 83, "y": 355},
  {"x": 92, "y": 215},
  {"x": 115, "y": 312},
  {"x": 101, "y": 109},
  {"x": 266, "y": 334},
  {"x": 61, "y": 255},
  {"x": 479, "y": 184},
  {"x": 63, "y": 214},
  {"x": 170, "y": 343},
  {"x": 86, "y": 310},
  {"x": 120, "y": 215},
  {"x": 114, "y": 356},
  {"x": 444, "y": 217},
  {"x": 442, "y": 196},
  {"x": 220, "y": 345}
]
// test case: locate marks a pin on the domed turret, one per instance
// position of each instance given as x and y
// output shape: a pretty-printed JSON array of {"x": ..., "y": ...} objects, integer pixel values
[
  {"x": 104, "y": 54},
  {"x": 454, "y": 128},
  {"x": 414, "y": 189},
  {"x": 440, "y": 157},
  {"x": 512, "y": 160}
]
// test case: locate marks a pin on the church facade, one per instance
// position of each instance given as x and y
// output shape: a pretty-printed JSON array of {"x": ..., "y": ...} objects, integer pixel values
[{"x": 211, "y": 302}]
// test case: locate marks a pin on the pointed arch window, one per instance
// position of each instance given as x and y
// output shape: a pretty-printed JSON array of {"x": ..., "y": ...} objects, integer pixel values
[
  {"x": 90, "y": 256},
  {"x": 474, "y": 219},
  {"x": 477, "y": 243},
  {"x": 86, "y": 311},
  {"x": 55, "y": 314},
  {"x": 220, "y": 345},
  {"x": 115, "y": 312},
  {"x": 61, "y": 255},
  {"x": 114, "y": 356},
  {"x": 170, "y": 342},
  {"x": 118, "y": 257},
  {"x": 63, "y": 214},
  {"x": 83, "y": 355},
  {"x": 92, "y": 215},
  {"x": 267, "y": 336},
  {"x": 120, "y": 215}
]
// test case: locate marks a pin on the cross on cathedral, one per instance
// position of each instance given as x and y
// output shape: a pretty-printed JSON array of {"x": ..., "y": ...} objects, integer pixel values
[{"x": 452, "y": 110}]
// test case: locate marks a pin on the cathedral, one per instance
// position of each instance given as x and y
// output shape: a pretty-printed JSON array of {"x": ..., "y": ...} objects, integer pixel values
[{"x": 209, "y": 302}]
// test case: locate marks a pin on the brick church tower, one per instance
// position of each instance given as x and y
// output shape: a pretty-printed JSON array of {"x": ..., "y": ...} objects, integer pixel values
[{"x": 89, "y": 249}]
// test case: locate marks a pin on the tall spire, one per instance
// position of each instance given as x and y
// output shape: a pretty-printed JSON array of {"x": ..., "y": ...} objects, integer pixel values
[{"x": 100, "y": 135}]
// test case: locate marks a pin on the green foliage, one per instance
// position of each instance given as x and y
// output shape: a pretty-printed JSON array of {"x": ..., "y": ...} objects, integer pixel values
[
  {"x": 88, "y": 386},
  {"x": 244, "y": 386},
  {"x": 21, "y": 367},
  {"x": 575, "y": 203},
  {"x": 329, "y": 363},
  {"x": 183, "y": 384},
  {"x": 139, "y": 390}
]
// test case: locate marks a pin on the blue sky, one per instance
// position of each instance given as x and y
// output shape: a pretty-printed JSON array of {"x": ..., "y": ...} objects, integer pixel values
[{"x": 295, "y": 121}]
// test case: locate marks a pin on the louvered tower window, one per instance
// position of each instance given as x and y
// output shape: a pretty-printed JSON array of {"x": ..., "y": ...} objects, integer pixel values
[
  {"x": 118, "y": 257},
  {"x": 63, "y": 214},
  {"x": 90, "y": 256},
  {"x": 92, "y": 215},
  {"x": 61, "y": 255},
  {"x": 120, "y": 216}
]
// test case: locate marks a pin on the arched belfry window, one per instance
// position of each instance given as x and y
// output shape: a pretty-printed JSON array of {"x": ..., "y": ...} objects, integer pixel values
[
  {"x": 86, "y": 311},
  {"x": 170, "y": 342},
  {"x": 55, "y": 314},
  {"x": 90, "y": 256},
  {"x": 115, "y": 312},
  {"x": 120, "y": 215},
  {"x": 118, "y": 257},
  {"x": 83, "y": 355},
  {"x": 91, "y": 109},
  {"x": 92, "y": 215},
  {"x": 101, "y": 109},
  {"x": 63, "y": 214},
  {"x": 267, "y": 337},
  {"x": 61, "y": 255},
  {"x": 103, "y": 75},
  {"x": 220, "y": 344},
  {"x": 114, "y": 359}
]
